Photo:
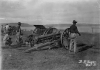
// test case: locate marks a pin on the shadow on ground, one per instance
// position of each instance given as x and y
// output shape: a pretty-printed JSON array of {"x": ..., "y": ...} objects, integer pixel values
[
  {"x": 12, "y": 47},
  {"x": 83, "y": 47}
]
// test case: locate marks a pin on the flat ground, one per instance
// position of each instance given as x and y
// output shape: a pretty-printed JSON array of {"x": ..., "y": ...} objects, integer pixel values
[{"x": 54, "y": 59}]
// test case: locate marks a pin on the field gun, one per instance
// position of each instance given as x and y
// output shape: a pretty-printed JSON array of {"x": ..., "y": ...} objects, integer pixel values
[{"x": 43, "y": 36}]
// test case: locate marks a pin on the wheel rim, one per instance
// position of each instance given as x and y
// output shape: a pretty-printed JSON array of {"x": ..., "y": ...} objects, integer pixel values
[{"x": 64, "y": 40}]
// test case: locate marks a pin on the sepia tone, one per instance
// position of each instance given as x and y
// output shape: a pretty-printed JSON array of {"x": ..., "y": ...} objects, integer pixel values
[{"x": 36, "y": 34}]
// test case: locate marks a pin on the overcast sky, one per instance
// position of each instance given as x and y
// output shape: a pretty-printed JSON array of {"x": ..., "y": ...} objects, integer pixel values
[{"x": 50, "y": 11}]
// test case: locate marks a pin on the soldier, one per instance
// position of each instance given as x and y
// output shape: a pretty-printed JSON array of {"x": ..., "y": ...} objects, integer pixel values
[
  {"x": 73, "y": 33},
  {"x": 9, "y": 31},
  {"x": 19, "y": 28},
  {"x": 7, "y": 28},
  {"x": 2, "y": 29},
  {"x": 6, "y": 37},
  {"x": 18, "y": 32}
]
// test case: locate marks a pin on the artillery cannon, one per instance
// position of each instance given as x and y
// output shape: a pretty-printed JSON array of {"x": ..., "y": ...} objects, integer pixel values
[{"x": 42, "y": 37}]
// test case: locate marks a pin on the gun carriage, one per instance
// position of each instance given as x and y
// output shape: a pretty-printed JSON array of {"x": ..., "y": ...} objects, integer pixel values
[{"x": 43, "y": 36}]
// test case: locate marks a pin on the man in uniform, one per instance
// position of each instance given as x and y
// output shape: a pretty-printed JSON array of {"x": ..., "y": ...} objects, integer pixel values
[
  {"x": 19, "y": 29},
  {"x": 19, "y": 34},
  {"x": 73, "y": 33}
]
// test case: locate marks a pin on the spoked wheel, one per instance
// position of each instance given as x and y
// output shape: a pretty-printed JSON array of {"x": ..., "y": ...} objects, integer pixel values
[
  {"x": 64, "y": 39},
  {"x": 54, "y": 30}
]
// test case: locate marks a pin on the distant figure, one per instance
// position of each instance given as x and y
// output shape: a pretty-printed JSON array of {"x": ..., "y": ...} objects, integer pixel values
[
  {"x": 7, "y": 28},
  {"x": 6, "y": 37},
  {"x": 73, "y": 33},
  {"x": 2, "y": 29},
  {"x": 18, "y": 30},
  {"x": 19, "y": 27},
  {"x": 19, "y": 34}
]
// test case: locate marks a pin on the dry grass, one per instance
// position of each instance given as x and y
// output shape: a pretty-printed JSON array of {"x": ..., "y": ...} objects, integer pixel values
[
  {"x": 55, "y": 59},
  {"x": 89, "y": 39}
]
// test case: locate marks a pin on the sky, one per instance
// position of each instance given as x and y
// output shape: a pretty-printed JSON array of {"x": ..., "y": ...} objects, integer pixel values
[{"x": 50, "y": 11}]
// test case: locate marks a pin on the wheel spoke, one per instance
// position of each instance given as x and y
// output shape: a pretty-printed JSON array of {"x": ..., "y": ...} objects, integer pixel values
[{"x": 64, "y": 39}]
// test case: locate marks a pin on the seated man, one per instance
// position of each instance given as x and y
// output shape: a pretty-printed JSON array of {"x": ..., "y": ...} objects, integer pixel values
[
  {"x": 6, "y": 34},
  {"x": 9, "y": 42},
  {"x": 30, "y": 40}
]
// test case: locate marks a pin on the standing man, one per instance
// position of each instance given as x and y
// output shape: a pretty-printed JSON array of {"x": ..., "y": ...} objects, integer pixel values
[
  {"x": 7, "y": 28},
  {"x": 73, "y": 33},
  {"x": 19, "y": 27},
  {"x": 2, "y": 29},
  {"x": 19, "y": 34},
  {"x": 18, "y": 31}
]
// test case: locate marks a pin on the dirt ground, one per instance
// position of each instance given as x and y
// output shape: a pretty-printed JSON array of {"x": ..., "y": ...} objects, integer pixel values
[{"x": 54, "y": 59}]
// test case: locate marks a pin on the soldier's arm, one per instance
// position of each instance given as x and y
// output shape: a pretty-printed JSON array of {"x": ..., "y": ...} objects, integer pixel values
[{"x": 78, "y": 31}]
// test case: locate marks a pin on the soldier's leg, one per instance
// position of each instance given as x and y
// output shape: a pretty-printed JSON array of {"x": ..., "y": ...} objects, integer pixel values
[
  {"x": 75, "y": 46},
  {"x": 17, "y": 37},
  {"x": 70, "y": 46}
]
